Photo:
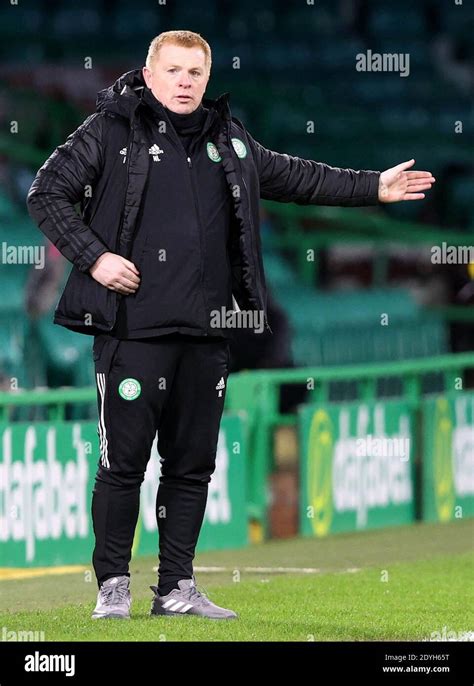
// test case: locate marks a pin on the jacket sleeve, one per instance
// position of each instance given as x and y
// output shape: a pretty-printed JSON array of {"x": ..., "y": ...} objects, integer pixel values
[
  {"x": 291, "y": 179},
  {"x": 59, "y": 185}
]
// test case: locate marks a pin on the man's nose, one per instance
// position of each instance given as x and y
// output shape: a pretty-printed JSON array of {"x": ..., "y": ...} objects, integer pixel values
[{"x": 184, "y": 80}]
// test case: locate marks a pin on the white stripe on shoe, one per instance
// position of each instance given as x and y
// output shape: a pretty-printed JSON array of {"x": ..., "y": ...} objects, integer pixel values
[
  {"x": 174, "y": 605},
  {"x": 177, "y": 605},
  {"x": 168, "y": 603}
]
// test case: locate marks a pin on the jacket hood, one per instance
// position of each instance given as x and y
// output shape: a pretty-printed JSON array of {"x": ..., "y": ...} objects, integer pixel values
[{"x": 124, "y": 96}]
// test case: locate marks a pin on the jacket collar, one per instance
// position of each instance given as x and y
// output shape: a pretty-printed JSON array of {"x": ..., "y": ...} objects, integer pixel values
[
  {"x": 125, "y": 95},
  {"x": 213, "y": 111}
]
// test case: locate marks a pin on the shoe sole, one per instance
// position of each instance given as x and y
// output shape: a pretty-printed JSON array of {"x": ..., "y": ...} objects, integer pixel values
[{"x": 111, "y": 616}]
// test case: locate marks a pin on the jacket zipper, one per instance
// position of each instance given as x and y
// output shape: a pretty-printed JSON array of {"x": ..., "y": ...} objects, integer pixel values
[
  {"x": 129, "y": 157},
  {"x": 201, "y": 237},
  {"x": 190, "y": 167},
  {"x": 198, "y": 216},
  {"x": 118, "y": 296}
]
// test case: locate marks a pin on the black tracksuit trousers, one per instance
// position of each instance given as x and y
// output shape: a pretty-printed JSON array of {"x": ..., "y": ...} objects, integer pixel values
[{"x": 165, "y": 384}]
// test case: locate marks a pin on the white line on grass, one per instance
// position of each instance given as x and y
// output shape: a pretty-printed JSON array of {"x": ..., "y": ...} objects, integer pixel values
[
  {"x": 269, "y": 570},
  {"x": 16, "y": 573},
  {"x": 258, "y": 570}
]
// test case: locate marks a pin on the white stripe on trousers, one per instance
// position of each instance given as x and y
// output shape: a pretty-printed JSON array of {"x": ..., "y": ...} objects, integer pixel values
[{"x": 104, "y": 444}]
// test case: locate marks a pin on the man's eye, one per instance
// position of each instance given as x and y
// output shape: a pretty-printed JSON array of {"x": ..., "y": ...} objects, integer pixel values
[{"x": 171, "y": 69}]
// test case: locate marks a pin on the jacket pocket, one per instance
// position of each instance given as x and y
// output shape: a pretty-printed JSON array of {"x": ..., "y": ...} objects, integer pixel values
[
  {"x": 87, "y": 302},
  {"x": 170, "y": 294},
  {"x": 104, "y": 352},
  {"x": 98, "y": 346}
]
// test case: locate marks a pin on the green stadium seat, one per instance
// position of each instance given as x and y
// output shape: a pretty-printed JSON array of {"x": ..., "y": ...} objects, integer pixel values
[{"x": 386, "y": 22}]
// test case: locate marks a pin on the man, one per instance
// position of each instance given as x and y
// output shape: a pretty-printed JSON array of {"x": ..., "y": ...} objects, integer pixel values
[{"x": 169, "y": 185}]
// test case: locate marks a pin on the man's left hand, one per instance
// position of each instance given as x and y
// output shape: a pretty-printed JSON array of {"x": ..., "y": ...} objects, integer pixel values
[{"x": 396, "y": 184}]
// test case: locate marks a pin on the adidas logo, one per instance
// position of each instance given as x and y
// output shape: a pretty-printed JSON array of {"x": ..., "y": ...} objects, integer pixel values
[
  {"x": 124, "y": 153},
  {"x": 174, "y": 605},
  {"x": 220, "y": 386},
  {"x": 155, "y": 150}
]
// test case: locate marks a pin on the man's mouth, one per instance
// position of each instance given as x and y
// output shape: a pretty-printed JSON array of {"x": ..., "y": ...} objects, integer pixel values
[{"x": 183, "y": 97}]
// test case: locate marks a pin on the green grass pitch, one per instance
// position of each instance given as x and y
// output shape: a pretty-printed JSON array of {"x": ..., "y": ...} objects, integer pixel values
[{"x": 397, "y": 584}]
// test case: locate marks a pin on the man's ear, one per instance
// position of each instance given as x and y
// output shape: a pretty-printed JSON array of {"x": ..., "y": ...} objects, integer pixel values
[{"x": 146, "y": 75}]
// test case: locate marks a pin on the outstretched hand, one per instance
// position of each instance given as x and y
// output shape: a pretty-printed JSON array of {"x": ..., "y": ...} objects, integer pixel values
[{"x": 396, "y": 184}]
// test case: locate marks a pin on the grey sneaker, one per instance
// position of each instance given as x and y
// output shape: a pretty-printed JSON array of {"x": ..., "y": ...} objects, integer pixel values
[
  {"x": 113, "y": 599},
  {"x": 187, "y": 600}
]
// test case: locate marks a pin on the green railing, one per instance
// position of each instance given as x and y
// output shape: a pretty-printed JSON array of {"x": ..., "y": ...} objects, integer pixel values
[
  {"x": 310, "y": 227},
  {"x": 257, "y": 393}
]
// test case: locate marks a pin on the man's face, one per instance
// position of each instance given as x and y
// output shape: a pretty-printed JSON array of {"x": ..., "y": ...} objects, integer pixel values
[{"x": 178, "y": 77}]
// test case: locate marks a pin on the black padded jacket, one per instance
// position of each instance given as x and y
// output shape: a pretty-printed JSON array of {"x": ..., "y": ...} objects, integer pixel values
[{"x": 89, "y": 169}]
